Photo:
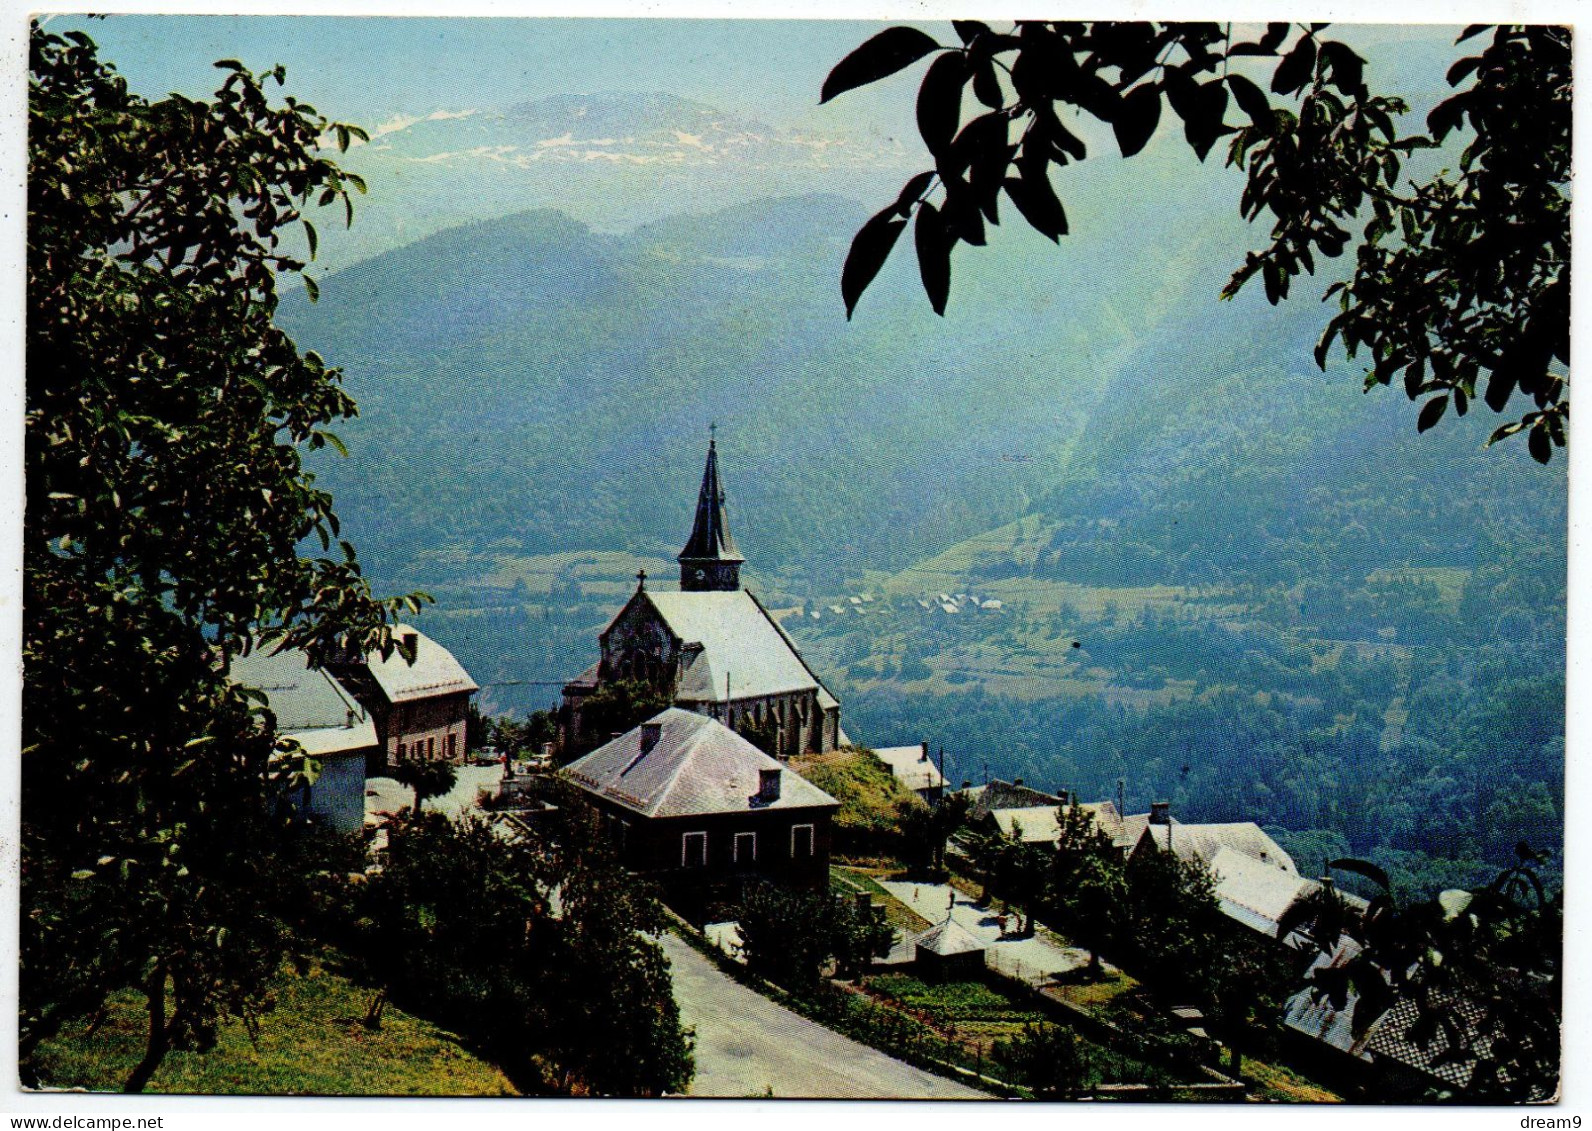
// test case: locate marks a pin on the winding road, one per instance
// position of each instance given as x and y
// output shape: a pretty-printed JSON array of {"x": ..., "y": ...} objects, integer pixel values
[{"x": 746, "y": 1045}]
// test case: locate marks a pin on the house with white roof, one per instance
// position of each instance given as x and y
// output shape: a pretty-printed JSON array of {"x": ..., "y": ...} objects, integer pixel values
[
  {"x": 313, "y": 709},
  {"x": 914, "y": 769},
  {"x": 418, "y": 696}
]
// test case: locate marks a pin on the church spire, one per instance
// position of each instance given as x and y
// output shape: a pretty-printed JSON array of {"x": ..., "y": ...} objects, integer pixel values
[{"x": 710, "y": 560}]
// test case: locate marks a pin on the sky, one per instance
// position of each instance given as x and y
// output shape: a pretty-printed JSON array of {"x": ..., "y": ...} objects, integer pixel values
[{"x": 371, "y": 69}]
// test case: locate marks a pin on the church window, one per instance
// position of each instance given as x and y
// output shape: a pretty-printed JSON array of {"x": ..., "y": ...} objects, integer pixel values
[
  {"x": 801, "y": 841},
  {"x": 745, "y": 848},
  {"x": 694, "y": 850}
]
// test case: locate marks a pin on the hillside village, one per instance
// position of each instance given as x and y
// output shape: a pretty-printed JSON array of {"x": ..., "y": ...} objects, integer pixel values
[
  {"x": 990, "y": 935},
  {"x": 1126, "y": 747}
]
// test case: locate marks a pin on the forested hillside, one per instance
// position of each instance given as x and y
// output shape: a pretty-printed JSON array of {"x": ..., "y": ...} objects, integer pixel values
[{"x": 1288, "y": 606}]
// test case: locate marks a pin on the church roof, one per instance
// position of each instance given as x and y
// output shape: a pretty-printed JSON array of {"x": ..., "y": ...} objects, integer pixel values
[
  {"x": 697, "y": 766},
  {"x": 739, "y": 640},
  {"x": 710, "y": 535}
]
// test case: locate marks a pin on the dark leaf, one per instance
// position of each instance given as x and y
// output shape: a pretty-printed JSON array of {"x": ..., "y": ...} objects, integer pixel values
[
  {"x": 940, "y": 102},
  {"x": 1539, "y": 443},
  {"x": 869, "y": 249},
  {"x": 1348, "y": 69},
  {"x": 1459, "y": 70},
  {"x": 1296, "y": 68},
  {"x": 969, "y": 30},
  {"x": 1431, "y": 413},
  {"x": 986, "y": 87},
  {"x": 934, "y": 255},
  {"x": 1472, "y": 31},
  {"x": 885, "y": 54},
  {"x": 912, "y": 191},
  {"x": 1037, "y": 201},
  {"x": 1137, "y": 118},
  {"x": 1252, "y": 101},
  {"x": 1363, "y": 868}
]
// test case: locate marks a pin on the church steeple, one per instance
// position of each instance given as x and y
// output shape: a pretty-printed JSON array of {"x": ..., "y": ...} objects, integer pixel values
[{"x": 710, "y": 560}]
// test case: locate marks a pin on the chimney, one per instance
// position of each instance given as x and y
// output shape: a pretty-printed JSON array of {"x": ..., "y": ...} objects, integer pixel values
[
  {"x": 1017, "y": 781},
  {"x": 924, "y": 757},
  {"x": 966, "y": 784},
  {"x": 650, "y": 733},
  {"x": 768, "y": 786},
  {"x": 864, "y": 903},
  {"x": 411, "y": 640},
  {"x": 1160, "y": 812}
]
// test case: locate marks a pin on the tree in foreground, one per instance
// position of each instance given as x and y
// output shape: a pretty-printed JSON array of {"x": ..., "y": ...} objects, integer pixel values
[
  {"x": 166, "y": 500},
  {"x": 1460, "y": 284},
  {"x": 1475, "y": 978},
  {"x": 536, "y": 950},
  {"x": 1048, "y": 1059},
  {"x": 427, "y": 779},
  {"x": 789, "y": 935}
]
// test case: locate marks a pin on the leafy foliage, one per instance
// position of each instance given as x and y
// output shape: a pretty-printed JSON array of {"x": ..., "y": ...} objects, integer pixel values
[
  {"x": 1047, "y": 1058},
  {"x": 617, "y": 706},
  {"x": 1481, "y": 971},
  {"x": 788, "y": 935},
  {"x": 427, "y": 779},
  {"x": 569, "y": 996},
  {"x": 166, "y": 499},
  {"x": 1471, "y": 262}
]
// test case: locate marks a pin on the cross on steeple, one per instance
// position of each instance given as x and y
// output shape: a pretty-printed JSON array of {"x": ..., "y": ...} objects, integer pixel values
[{"x": 641, "y": 579}]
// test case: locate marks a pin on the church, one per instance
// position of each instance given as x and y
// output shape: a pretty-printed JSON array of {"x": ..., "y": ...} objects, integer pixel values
[{"x": 710, "y": 647}]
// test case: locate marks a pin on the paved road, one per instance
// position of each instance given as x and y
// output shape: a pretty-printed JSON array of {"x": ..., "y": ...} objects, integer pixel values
[{"x": 746, "y": 1044}]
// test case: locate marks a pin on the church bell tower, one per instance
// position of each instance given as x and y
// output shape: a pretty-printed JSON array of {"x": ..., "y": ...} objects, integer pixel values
[{"x": 710, "y": 562}]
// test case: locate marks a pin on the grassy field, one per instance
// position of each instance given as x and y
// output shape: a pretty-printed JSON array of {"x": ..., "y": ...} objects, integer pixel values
[{"x": 312, "y": 1043}]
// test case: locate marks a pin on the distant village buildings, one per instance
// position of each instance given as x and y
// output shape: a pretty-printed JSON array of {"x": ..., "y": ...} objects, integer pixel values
[
  {"x": 710, "y": 647},
  {"x": 359, "y": 717}
]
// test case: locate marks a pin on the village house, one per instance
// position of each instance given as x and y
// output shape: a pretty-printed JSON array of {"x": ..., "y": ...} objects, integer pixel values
[
  {"x": 711, "y": 647},
  {"x": 915, "y": 770},
  {"x": 327, "y": 722},
  {"x": 696, "y": 807},
  {"x": 419, "y": 707}
]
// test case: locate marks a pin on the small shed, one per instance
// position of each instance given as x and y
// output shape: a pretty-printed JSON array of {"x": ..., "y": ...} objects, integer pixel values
[{"x": 950, "y": 953}]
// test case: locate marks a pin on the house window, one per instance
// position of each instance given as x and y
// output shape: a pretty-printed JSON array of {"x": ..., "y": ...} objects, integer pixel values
[
  {"x": 694, "y": 850},
  {"x": 745, "y": 848},
  {"x": 801, "y": 841},
  {"x": 431, "y": 748},
  {"x": 453, "y": 746}
]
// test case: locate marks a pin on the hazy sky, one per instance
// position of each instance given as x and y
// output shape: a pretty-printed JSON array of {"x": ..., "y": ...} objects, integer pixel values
[{"x": 369, "y": 69}]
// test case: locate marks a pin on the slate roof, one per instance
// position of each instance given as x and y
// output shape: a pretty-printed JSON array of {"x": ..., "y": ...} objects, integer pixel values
[
  {"x": 910, "y": 767},
  {"x": 698, "y": 766},
  {"x": 710, "y": 533},
  {"x": 1039, "y": 823},
  {"x": 309, "y": 704},
  {"x": 434, "y": 672},
  {"x": 740, "y": 640},
  {"x": 1203, "y": 842},
  {"x": 1000, "y": 794},
  {"x": 1042, "y": 823},
  {"x": 950, "y": 937},
  {"x": 1254, "y": 892}
]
